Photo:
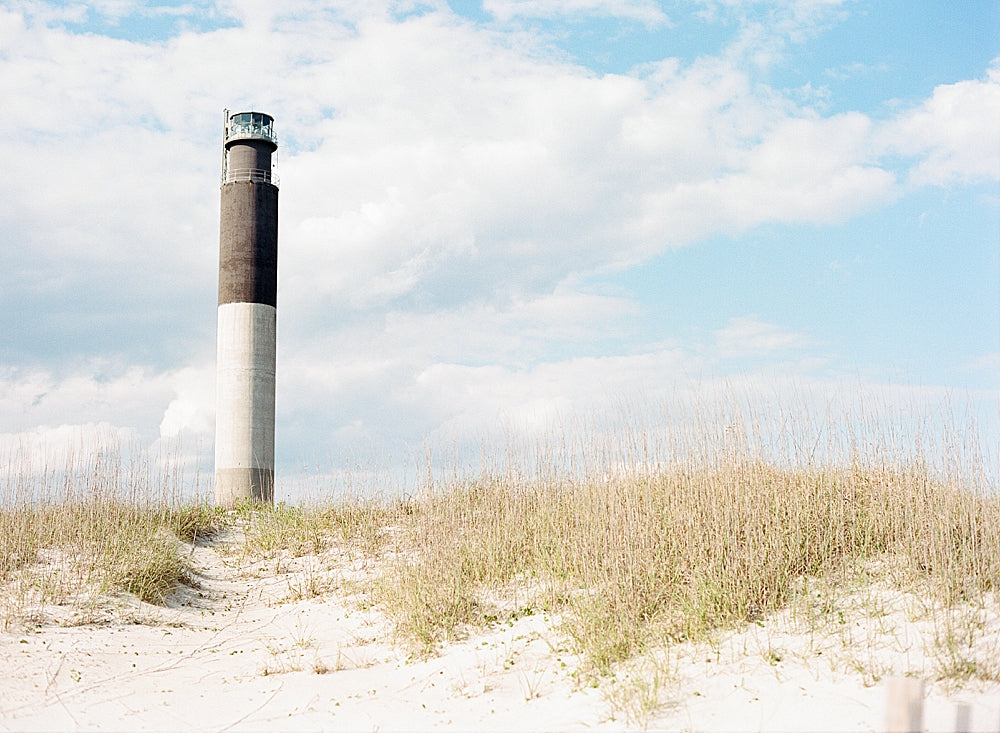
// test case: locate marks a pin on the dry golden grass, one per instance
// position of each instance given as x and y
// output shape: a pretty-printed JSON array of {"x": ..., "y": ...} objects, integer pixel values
[
  {"x": 356, "y": 523},
  {"x": 69, "y": 537},
  {"x": 671, "y": 555},
  {"x": 634, "y": 544}
]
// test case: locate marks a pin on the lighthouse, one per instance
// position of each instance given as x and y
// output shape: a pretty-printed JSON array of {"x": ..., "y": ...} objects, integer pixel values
[{"x": 247, "y": 326}]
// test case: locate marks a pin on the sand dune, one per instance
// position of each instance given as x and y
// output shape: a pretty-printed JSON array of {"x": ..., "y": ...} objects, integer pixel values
[{"x": 290, "y": 644}]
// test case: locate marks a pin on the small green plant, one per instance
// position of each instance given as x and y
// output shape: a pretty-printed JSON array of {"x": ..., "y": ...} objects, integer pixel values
[
  {"x": 197, "y": 521},
  {"x": 642, "y": 689},
  {"x": 298, "y": 531}
]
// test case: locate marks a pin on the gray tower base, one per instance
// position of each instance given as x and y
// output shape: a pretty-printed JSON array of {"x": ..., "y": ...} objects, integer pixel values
[{"x": 234, "y": 485}]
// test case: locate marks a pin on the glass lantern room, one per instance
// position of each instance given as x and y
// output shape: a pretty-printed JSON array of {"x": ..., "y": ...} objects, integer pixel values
[{"x": 251, "y": 125}]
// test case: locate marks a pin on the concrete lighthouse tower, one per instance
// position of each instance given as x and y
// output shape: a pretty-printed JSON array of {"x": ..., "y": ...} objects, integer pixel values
[{"x": 248, "y": 283}]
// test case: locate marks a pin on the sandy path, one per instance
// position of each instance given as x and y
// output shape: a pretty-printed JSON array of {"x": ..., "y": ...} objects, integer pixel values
[{"x": 241, "y": 653}]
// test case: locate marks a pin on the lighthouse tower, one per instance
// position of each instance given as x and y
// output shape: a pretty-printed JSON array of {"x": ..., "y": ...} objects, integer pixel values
[{"x": 248, "y": 283}]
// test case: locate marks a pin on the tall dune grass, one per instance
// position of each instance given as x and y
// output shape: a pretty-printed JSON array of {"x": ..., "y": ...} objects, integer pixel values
[
  {"x": 634, "y": 534},
  {"x": 95, "y": 525},
  {"x": 672, "y": 555},
  {"x": 638, "y": 537}
]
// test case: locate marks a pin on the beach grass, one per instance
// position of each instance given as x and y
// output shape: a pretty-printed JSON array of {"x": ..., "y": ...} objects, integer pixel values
[
  {"x": 670, "y": 556},
  {"x": 633, "y": 543},
  {"x": 90, "y": 529}
]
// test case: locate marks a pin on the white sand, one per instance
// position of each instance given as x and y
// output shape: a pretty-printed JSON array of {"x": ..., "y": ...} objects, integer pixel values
[{"x": 241, "y": 654}]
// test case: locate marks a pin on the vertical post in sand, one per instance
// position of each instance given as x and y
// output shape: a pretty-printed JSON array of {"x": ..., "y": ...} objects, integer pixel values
[
  {"x": 248, "y": 283},
  {"x": 904, "y": 705},
  {"x": 963, "y": 717}
]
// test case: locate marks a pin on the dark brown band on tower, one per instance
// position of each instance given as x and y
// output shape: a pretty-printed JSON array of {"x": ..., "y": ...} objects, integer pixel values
[
  {"x": 249, "y": 160},
  {"x": 248, "y": 255}
]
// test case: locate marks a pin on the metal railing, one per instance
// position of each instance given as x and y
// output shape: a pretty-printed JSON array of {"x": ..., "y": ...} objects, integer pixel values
[
  {"x": 257, "y": 175},
  {"x": 251, "y": 132}
]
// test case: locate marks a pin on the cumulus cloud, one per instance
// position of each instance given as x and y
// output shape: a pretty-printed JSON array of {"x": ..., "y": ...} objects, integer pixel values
[
  {"x": 56, "y": 422},
  {"x": 954, "y": 135},
  {"x": 191, "y": 411},
  {"x": 766, "y": 28},
  {"x": 93, "y": 393},
  {"x": 642, "y": 11},
  {"x": 515, "y": 173},
  {"x": 150, "y": 405},
  {"x": 447, "y": 188},
  {"x": 439, "y": 161},
  {"x": 539, "y": 399},
  {"x": 47, "y": 451},
  {"x": 749, "y": 336}
]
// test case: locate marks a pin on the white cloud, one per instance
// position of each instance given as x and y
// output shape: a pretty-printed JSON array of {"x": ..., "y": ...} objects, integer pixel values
[
  {"x": 380, "y": 371},
  {"x": 523, "y": 331},
  {"x": 55, "y": 422},
  {"x": 151, "y": 404},
  {"x": 749, "y": 336},
  {"x": 192, "y": 410},
  {"x": 756, "y": 160},
  {"x": 448, "y": 151},
  {"x": 445, "y": 188},
  {"x": 37, "y": 457},
  {"x": 533, "y": 170},
  {"x": 46, "y": 13},
  {"x": 646, "y": 12},
  {"x": 473, "y": 401},
  {"x": 767, "y": 27},
  {"x": 954, "y": 136}
]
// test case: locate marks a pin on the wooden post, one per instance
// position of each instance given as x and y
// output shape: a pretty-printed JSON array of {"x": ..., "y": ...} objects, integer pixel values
[
  {"x": 904, "y": 705},
  {"x": 963, "y": 717}
]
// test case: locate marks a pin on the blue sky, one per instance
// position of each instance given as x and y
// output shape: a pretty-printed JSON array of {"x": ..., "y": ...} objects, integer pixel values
[{"x": 498, "y": 214}]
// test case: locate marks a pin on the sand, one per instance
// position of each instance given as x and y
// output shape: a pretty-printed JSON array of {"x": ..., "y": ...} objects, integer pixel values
[{"x": 292, "y": 644}]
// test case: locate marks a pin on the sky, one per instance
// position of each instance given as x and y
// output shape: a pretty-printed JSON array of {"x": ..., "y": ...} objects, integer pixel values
[{"x": 498, "y": 215}]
